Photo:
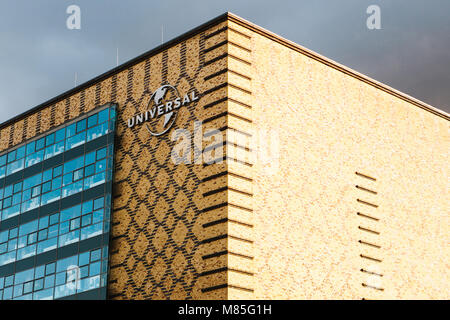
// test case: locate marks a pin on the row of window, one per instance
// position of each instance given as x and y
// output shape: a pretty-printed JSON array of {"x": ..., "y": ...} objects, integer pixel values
[
  {"x": 74, "y": 224},
  {"x": 57, "y": 142},
  {"x": 75, "y": 274},
  {"x": 74, "y": 176}
]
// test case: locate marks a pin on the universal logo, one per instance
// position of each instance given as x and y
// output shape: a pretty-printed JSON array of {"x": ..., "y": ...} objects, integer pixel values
[{"x": 162, "y": 110}]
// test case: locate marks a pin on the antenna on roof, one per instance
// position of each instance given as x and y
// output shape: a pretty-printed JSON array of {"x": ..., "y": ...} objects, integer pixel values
[
  {"x": 162, "y": 34},
  {"x": 117, "y": 56},
  {"x": 76, "y": 79}
]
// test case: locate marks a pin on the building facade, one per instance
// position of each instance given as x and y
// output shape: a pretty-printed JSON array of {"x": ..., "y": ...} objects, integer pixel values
[{"x": 228, "y": 163}]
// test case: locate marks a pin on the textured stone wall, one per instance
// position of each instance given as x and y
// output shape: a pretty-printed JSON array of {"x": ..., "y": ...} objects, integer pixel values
[{"x": 322, "y": 231}]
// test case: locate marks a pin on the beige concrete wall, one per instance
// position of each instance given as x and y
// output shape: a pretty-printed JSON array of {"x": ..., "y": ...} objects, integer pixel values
[{"x": 309, "y": 240}]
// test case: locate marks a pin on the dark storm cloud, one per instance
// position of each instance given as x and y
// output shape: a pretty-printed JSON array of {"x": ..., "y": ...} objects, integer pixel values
[{"x": 39, "y": 55}]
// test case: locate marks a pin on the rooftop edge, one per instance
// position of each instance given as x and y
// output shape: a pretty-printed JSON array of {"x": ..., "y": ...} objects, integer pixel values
[{"x": 232, "y": 17}]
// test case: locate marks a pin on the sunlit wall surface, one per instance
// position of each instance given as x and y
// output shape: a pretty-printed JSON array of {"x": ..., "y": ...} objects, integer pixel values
[{"x": 55, "y": 201}]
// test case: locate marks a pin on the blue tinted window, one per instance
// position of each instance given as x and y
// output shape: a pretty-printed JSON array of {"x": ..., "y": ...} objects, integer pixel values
[
  {"x": 60, "y": 134},
  {"x": 11, "y": 156},
  {"x": 34, "y": 158},
  {"x": 98, "y": 203},
  {"x": 50, "y": 268},
  {"x": 57, "y": 171},
  {"x": 3, "y": 160},
  {"x": 73, "y": 164},
  {"x": 20, "y": 152},
  {"x": 89, "y": 170},
  {"x": 40, "y": 143},
  {"x": 26, "y": 195},
  {"x": 54, "y": 218},
  {"x": 101, "y": 153},
  {"x": 81, "y": 125},
  {"x": 90, "y": 158},
  {"x": 46, "y": 187},
  {"x": 47, "y": 175},
  {"x": 32, "y": 181},
  {"x": 92, "y": 120},
  {"x": 31, "y": 147},
  {"x": 103, "y": 115},
  {"x": 71, "y": 130},
  {"x": 13, "y": 233},
  {"x": 17, "y": 187},
  {"x": 50, "y": 139},
  {"x": 76, "y": 140},
  {"x": 95, "y": 255}
]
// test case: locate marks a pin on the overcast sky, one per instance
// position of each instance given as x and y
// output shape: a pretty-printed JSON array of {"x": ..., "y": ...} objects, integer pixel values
[{"x": 39, "y": 56}]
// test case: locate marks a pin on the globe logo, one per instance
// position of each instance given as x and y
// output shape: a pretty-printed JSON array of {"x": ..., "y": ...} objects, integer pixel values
[{"x": 162, "y": 109}]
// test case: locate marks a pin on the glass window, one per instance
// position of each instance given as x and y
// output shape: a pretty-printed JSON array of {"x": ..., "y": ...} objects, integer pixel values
[
  {"x": 84, "y": 258},
  {"x": 28, "y": 287},
  {"x": 84, "y": 272},
  {"x": 103, "y": 115},
  {"x": 26, "y": 195},
  {"x": 101, "y": 153},
  {"x": 2, "y": 171},
  {"x": 86, "y": 207},
  {"x": 81, "y": 125},
  {"x": 86, "y": 220},
  {"x": 32, "y": 181},
  {"x": 47, "y": 175},
  {"x": 60, "y": 278},
  {"x": 95, "y": 255},
  {"x": 11, "y": 156},
  {"x": 49, "y": 281},
  {"x": 31, "y": 147},
  {"x": 38, "y": 284},
  {"x": 39, "y": 272},
  {"x": 54, "y": 218},
  {"x": 92, "y": 120},
  {"x": 20, "y": 152},
  {"x": 8, "y": 191},
  {"x": 42, "y": 235},
  {"x": 13, "y": 233},
  {"x": 90, "y": 158},
  {"x": 67, "y": 264},
  {"x": 36, "y": 191},
  {"x": 15, "y": 166},
  {"x": 50, "y": 268},
  {"x": 40, "y": 144},
  {"x": 78, "y": 174},
  {"x": 98, "y": 203},
  {"x": 75, "y": 141},
  {"x": 57, "y": 171},
  {"x": 94, "y": 268},
  {"x": 56, "y": 183},
  {"x": 50, "y": 139},
  {"x": 18, "y": 187},
  {"x": 60, "y": 134},
  {"x": 28, "y": 227},
  {"x": 43, "y": 222},
  {"x": 32, "y": 238},
  {"x": 3, "y": 160},
  {"x": 74, "y": 164},
  {"x": 17, "y": 198},
  {"x": 46, "y": 187},
  {"x": 34, "y": 158},
  {"x": 74, "y": 224},
  {"x": 71, "y": 130},
  {"x": 89, "y": 170},
  {"x": 71, "y": 213}
]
